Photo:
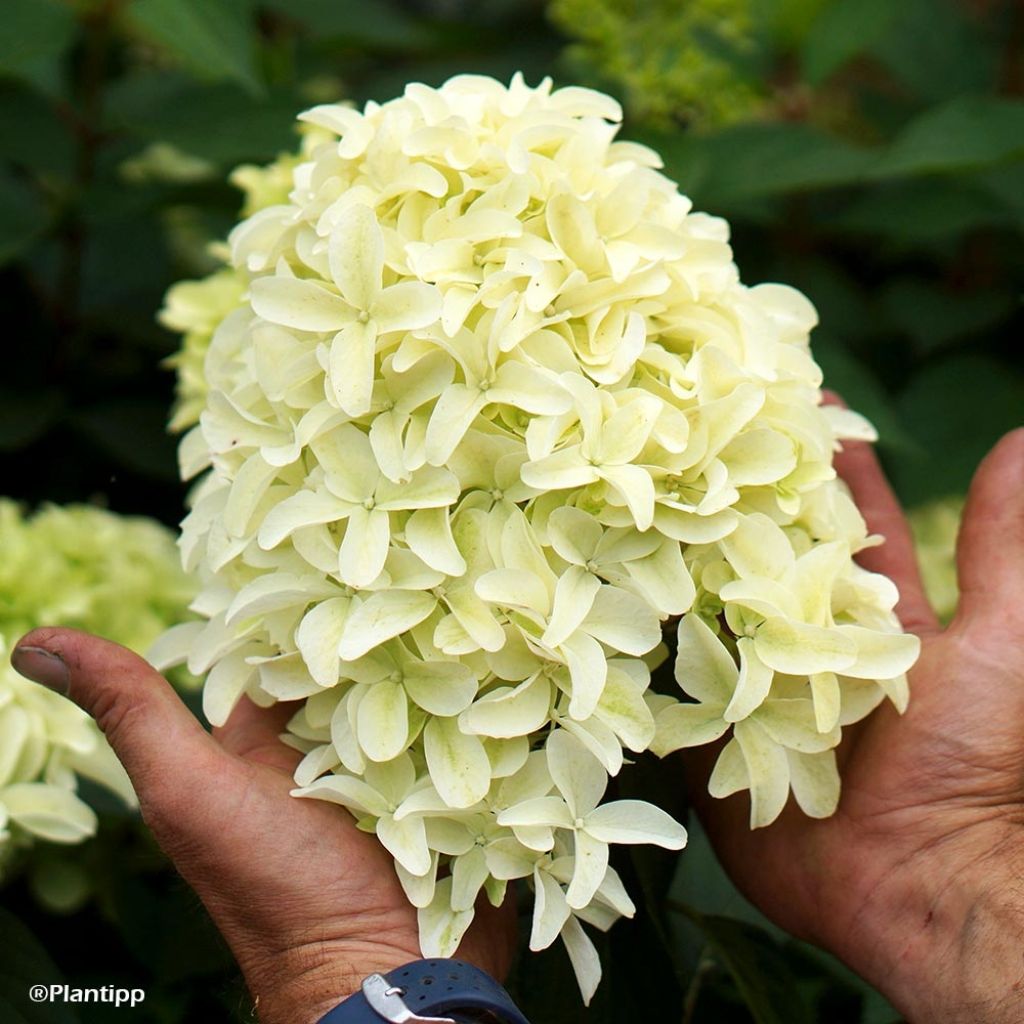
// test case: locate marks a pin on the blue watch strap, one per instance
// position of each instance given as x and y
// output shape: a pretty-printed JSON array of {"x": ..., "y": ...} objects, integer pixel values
[{"x": 434, "y": 988}]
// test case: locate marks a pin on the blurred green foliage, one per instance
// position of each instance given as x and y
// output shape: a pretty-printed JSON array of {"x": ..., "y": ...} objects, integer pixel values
[{"x": 869, "y": 152}]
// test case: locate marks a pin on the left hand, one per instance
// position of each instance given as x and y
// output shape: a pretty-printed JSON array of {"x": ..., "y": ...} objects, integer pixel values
[{"x": 308, "y": 904}]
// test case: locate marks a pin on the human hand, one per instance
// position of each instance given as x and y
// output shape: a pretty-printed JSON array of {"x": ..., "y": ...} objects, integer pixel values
[
  {"x": 916, "y": 880},
  {"x": 308, "y": 904}
]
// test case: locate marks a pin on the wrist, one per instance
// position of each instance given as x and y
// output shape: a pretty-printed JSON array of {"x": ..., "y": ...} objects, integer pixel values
[
  {"x": 943, "y": 944},
  {"x": 302, "y": 985}
]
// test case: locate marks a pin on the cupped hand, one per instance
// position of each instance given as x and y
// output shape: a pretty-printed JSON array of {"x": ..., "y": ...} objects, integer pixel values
[
  {"x": 917, "y": 881},
  {"x": 308, "y": 904}
]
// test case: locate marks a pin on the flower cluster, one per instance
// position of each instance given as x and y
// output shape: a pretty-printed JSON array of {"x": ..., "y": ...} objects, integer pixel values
[
  {"x": 87, "y": 568},
  {"x": 494, "y": 407}
]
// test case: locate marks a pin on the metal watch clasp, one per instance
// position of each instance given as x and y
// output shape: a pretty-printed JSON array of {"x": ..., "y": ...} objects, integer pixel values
[{"x": 386, "y": 1000}]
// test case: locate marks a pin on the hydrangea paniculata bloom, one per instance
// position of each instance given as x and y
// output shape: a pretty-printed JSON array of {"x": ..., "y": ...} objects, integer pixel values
[
  {"x": 935, "y": 526},
  {"x": 91, "y": 569},
  {"x": 493, "y": 408}
]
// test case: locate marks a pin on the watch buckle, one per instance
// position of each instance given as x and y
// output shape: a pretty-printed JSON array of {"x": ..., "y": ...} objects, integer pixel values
[{"x": 386, "y": 1001}]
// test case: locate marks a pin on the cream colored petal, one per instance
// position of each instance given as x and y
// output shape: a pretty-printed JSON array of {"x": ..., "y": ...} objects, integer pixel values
[
  {"x": 406, "y": 306},
  {"x": 304, "y": 305},
  {"x": 687, "y": 725},
  {"x": 364, "y": 547},
  {"x": 815, "y": 782},
  {"x": 382, "y": 722},
  {"x": 753, "y": 684},
  {"x": 799, "y": 649},
  {"x": 350, "y": 367},
  {"x": 704, "y": 667},
  {"x": 356, "y": 253},
  {"x": 457, "y": 762},
  {"x": 768, "y": 769}
]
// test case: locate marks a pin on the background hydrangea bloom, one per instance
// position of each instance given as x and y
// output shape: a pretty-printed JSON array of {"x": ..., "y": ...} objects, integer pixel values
[
  {"x": 90, "y": 569},
  {"x": 935, "y": 527},
  {"x": 493, "y": 407}
]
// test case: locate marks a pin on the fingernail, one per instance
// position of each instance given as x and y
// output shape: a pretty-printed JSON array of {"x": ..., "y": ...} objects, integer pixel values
[{"x": 42, "y": 666}]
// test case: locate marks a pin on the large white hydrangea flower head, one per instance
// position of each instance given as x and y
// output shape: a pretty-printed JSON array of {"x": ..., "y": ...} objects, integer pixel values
[
  {"x": 493, "y": 409},
  {"x": 91, "y": 569}
]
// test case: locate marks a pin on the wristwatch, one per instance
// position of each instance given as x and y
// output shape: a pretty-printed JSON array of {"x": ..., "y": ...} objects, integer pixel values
[{"x": 428, "y": 992}]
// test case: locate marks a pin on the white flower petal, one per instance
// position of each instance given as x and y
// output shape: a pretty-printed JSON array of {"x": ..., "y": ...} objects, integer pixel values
[
  {"x": 382, "y": 616},
  {"x": 753, "y": 684},
  {"x": 304, "y": 305},
  {"x": 382, "y": 721},
  {"x": 458, "y": 763},
  {"x": 356, "y": 253},
  {"x": 576, "y": 772},
  {"x": 550, "y": 910},
  {"x": 634, "y": 821},
  {"x": 799, "y": 649},
  {"x": 591, "y": 864}
]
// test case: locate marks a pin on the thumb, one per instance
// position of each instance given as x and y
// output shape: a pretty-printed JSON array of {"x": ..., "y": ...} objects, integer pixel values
[
  {"x": 990, "y": 549},
  {"x": 158, "y": 740}
]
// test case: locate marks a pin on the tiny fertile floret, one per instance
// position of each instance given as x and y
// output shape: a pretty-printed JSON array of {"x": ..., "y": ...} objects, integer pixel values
[{"x": 491, "y": 409}]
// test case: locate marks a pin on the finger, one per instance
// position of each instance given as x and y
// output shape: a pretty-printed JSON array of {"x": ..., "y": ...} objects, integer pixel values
[
  {"x": 859, "y": 467},
  {"x": 990, "y": 549},
  {"x": 254, "y": 733},
  {"x": 160, "y": 743}
]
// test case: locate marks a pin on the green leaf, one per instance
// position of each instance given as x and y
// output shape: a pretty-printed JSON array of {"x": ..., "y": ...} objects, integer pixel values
[
  {"x": 966, "y": 133},
  {"x": 843, "y": 30},
  {"x": 922, "y": 211},
  {"x": 786, "y": 22},
  {"x": 22, "y": 217},
  {"x": 754, "y": 160},
  {"x": 34, "y": 33},
  {"x": 32, "y": 135},
  {"x": 934, "y": 316},
  {"x": 940, "y": 49},
  {"x": 382, "y": 25},
  {"x": 25, "y": 415},
  {"x": 219, "y": 123},
  {"x": 132, "y": 432},
  {"x": 955, "y": 410},
  {"x": 1006, "y": 184},
  {"x": 760, "y": 968},
  {"x": 25, "y": 963},
  {"x": 214, "y": 39}
]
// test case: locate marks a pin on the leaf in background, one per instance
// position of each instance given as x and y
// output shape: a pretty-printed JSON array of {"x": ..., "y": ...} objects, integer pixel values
[
  {"x": 753, "y": 160},
  {"x": 214, "y": 39},
  {"x": 381, "y": 25},
  {"x": 1006, "y": 183},
  {"x": 22, "y": 217},
  {"x": 35, "y": 34},
  {"x": 956, "y": 410},
  {"x": 220, "y": 123},
  {"x": 786, "y": 22},
  {"x": 922, "y": 211},
  {"x": 966, "y": 133},
  {"x": 941, "y": 48},
  {"x": 758, "y": 965},
  {"x": 843, "y": 30},
  {"x": 26, "y": 414},
  {"x": 32, "y": 136},
  {"x": 132, "y": 432},
  {"x": 934, "y": 316},
  {"x": 24, "y": 963}
]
